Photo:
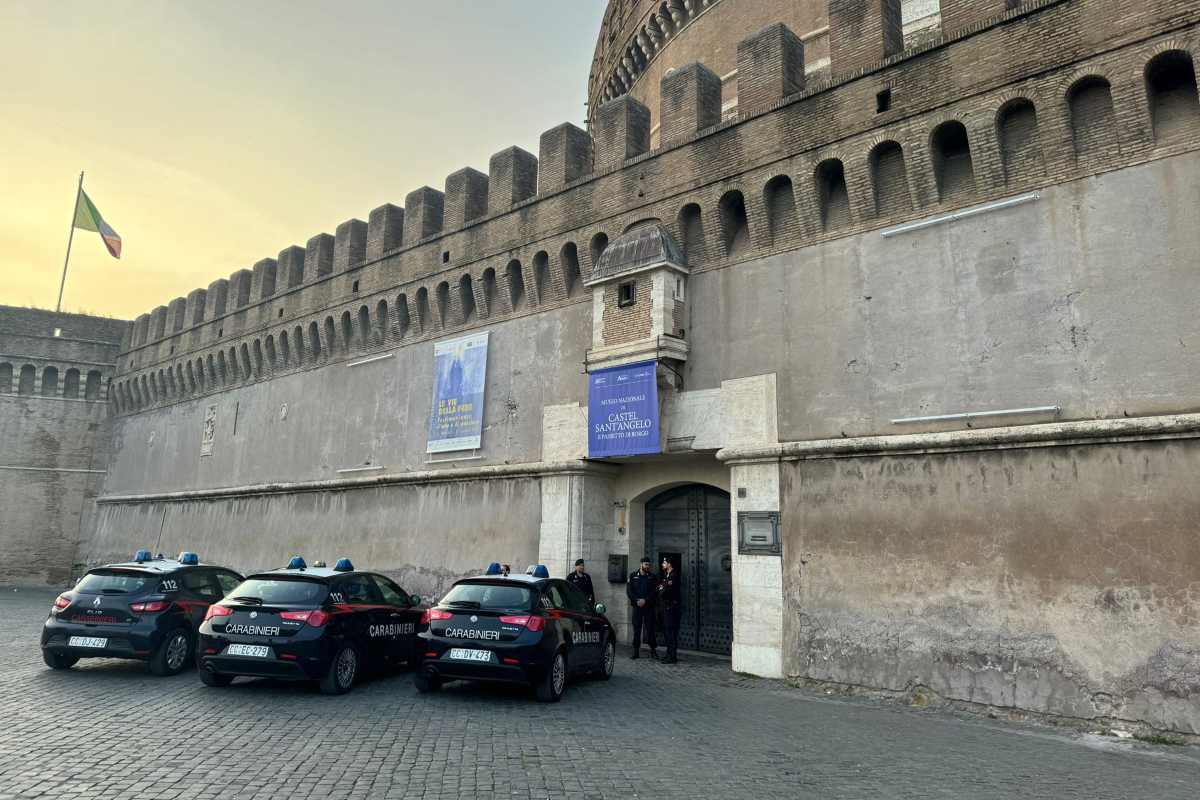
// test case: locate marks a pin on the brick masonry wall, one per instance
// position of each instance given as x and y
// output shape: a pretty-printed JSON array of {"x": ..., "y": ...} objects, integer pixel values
[{"x": 631, "y": 323}]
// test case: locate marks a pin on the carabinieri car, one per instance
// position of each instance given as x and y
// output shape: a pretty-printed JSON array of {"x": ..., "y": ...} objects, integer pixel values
[
  {"x": 527, "y": 629},
  {"x": 309, "y": 623},
  {"x": 146, "y": 609}
]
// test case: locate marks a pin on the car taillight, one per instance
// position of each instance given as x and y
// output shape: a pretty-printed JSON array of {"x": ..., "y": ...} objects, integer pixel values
[
  {"x": 316, "y": 617},
  {"x": 61, "y": 602},
  {"x": 430, "y": 614},
  {"x": 150, "y": 606},
  {"x": 528, "y": 621},
  {"x": 217, "y": 611}
]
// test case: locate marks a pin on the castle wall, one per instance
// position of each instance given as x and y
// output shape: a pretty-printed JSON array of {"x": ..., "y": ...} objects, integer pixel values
[{"x": 1058, "y": 579}]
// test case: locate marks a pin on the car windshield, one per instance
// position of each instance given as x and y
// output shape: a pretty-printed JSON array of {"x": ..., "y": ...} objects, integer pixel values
[
  {"x": 489, "y": 596},
  {"x": 284, "y": 591},
  {"x": 115, "y": 582}
]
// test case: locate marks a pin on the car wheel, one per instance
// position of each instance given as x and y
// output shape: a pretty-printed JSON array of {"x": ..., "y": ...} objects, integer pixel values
[
  {"x": 426, "y": 683},
  {"x": 342, "y": 671},
  {"x": 210, "y": 678},
  {"x": 610, "y": 660},
  {"x": 173, "y": 654},
  {"x": 550, "y": 689},
  {"x": 58, "y": 660}
]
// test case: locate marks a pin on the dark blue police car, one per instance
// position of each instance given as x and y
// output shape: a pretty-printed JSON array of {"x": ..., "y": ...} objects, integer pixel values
[
  {"x": 309, "y": 624},
  {"x": 527, "y": 629},
  {"x": 147, "y": 609}
]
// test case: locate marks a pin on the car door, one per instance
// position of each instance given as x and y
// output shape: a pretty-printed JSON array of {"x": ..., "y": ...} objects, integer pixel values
[
  {"x": 361, "y": 596},
  {"x": 400, "y": 621},
  {"x": 569, "y": 623},
  {"x": 590, "y": 634}
]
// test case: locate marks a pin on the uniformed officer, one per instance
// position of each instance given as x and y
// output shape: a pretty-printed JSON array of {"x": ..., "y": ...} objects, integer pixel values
[
  {"x": 670, "y": 598},
  {"x": 583, "y": 582},
  {"x": 642, "y": 591}
]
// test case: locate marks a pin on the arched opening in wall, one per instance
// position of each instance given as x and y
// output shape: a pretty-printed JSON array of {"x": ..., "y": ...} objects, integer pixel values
[
  {"x": 568, "y": 257},
  {"x": 402, "y": 319},
  {"x": 1020, "y": 150},
  {"x": 27, "y": 379},
  {"x": 466, "y": 297},
  {"x": 330, "y": 347},
  {"x": 191, "y": 378},
  {"x": 166, "y": 384},
  {"x": 890, "y": 179},
  {"x": 179, "y": 380},
  {"x": 1093, "y": 122},
  {"x": 423, "y": 308},
  {"x": 258, "y": 358},
  {"x": 235, "y": 372},
  {"x": 298, "y": 344},
  {"x": 952, "y": 165},
  {"x": 780, "y": 201},
  {"x": 50, "y": 381},
  {"x": 70, "y": 383},
  {"x": 205, "y": 372},
  {"x": 735, "y": 226},
  {"x": 364, "y": 327},
  {"x": 598, "y": 246},
  {"x": 516, "y": 284},
  {"x": 136, "y": 393},
  {"x": 833, "y": 198},
  {"x": 347, "y": 332},
  {"x": 222, "y": 369},
  {"x": 691, "y": 232},
  {"x": 150, "y": 384},
  {"x": 541, "y": 276},
  {"x": 1171, "y": 90},
  {"x": 489, "y": 291},
  {"x": 272, "y": 353},
  {"x": 6, "y": 372},
  {"x": 383, "y": 322},
  {"x": 442, "y": 294},
  {"x": 314, "y": 340},
  {"x": 285, "y": 349},
  {"x": 246, "y": 365},
  {"x": 91, "y": 387}
]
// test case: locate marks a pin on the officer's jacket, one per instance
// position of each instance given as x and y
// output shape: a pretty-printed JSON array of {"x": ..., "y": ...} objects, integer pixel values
[
  {"x": 670, "y": 589},
  {"x": 642, "y": 587},
  {"x": 583, "y": 583}
]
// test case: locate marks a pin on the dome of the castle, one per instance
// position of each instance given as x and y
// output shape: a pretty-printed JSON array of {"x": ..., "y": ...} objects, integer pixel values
[{"x": 642, "y": 40}]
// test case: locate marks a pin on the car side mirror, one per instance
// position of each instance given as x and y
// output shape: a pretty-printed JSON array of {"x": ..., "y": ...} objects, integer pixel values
[
  {"x": 600, "y": 608},
  {"x": 415, "y": 599}
]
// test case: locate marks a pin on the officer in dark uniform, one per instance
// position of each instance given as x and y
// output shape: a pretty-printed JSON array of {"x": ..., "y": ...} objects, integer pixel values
[
  {"x": 670, "y": 598},
  {"x": 642, "y": 591},
  {"x": 583, "y": 582}
]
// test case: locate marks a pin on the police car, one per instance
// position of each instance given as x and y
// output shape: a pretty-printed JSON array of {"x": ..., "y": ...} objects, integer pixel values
[
  {"x": 527, "y": 629},
  {"x": 147, "y": 609},
  {"x": 309, "y": 623}
]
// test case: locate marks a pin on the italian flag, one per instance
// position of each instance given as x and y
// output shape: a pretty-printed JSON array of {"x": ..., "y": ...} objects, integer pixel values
[{"x": 89, "y": 219}]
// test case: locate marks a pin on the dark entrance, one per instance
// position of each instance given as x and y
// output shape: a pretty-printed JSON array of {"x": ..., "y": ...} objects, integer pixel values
[{"x": 690, "y": 525}]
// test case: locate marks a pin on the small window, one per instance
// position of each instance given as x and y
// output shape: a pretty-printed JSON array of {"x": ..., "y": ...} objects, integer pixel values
[
  {"x": 626, "y": 294},
  {"x": 679, "y": 290},
  {"x": 220, "y": 332},
  {"x": 445, "y": 256},
  {"x": 281, "y": 313},
  {"x": 354, "y": 287},
  {"x": 57, "y": 332},
  {"x": 883, "y": 101}
]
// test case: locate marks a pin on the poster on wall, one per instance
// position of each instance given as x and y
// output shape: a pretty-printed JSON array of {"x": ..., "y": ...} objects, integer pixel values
[
  {"x": 459, "y": 374},
  {"x": 210, "y": 431},
  {"x": 623, "y": 411}
]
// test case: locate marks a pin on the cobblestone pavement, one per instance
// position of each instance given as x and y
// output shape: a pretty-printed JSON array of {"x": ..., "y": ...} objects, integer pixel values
[{"x": 108, "y": 729}]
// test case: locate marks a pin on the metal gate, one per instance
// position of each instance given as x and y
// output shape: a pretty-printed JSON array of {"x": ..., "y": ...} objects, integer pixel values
[{"x": 690, "y": 525}]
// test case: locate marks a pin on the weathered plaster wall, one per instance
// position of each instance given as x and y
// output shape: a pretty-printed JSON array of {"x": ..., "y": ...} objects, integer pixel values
[
  {"x": 405, "y": 531},
  {"x": 1061, "y": 579}
]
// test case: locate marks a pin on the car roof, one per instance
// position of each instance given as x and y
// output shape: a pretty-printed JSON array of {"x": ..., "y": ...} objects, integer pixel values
[
  {"x": 321, "y": 573},
  {"x": 525, "y": 580},
  {"x": 156, "y": 566}
]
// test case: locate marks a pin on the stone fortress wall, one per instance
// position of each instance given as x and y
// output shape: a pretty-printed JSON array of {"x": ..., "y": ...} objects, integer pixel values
[
  {"x": 54, "y": 425},
  {"x": 939, "y": 228}
]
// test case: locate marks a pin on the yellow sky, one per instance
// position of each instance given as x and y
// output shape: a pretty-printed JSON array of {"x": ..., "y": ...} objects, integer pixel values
[{"x": 215, "y": 134}]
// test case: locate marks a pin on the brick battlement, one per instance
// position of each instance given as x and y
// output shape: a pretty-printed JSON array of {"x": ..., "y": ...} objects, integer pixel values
[{"x": 1011, "y": 100}]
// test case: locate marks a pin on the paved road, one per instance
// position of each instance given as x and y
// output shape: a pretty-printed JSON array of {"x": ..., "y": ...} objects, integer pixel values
[{"x": 108, "y": 729}]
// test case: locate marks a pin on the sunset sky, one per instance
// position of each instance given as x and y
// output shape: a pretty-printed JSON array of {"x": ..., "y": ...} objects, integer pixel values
[{"x": 217, "y": 133}]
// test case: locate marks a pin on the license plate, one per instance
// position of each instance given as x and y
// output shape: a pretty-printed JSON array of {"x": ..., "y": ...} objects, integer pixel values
[
  {"x": 255, "y": 650},
  {"x": 463, "y": 654},
  {"x": 86, "y": 641}
]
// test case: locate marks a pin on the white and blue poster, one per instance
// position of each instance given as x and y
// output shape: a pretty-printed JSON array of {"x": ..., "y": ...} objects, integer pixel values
[
  {"x": 459, "y": 375},
  {"x": 623, "y": 411}
]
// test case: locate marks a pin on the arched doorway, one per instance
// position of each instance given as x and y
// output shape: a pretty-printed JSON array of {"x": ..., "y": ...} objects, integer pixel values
[{"x": 690, "y": 525}]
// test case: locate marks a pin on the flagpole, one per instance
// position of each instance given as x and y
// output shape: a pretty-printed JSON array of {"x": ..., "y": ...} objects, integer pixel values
[{"x": 70, "y": 237}]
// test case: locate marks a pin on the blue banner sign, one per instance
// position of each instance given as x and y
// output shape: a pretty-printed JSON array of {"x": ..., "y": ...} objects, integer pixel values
[
  {"x": 623, "y": 411},
  {"x": 459, "y": 373}
]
